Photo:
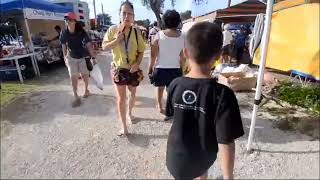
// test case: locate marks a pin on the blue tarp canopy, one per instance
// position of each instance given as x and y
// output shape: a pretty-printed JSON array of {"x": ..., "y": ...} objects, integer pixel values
[{"x": 9, "y": 5}]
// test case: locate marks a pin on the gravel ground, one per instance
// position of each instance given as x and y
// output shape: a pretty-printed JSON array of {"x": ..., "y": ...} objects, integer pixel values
[{"x": 43, "y": 137}]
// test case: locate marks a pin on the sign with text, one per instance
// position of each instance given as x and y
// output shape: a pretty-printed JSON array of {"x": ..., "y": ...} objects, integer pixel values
[{"x": 42, "y": 14}]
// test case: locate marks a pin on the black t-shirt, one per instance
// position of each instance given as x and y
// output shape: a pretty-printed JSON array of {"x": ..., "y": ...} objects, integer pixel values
[
  {"x": 198, "y": 126},
  {"x": 76, "y": 43}
]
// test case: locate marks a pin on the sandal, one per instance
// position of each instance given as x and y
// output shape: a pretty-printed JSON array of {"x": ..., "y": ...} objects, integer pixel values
[
  {"x": 122, "y": 133},
  {"x": 76, "y": 103},
  {"x": 163, "y": 112},
  {"x": 167, "y": 118},
  {"x": 131, "y": 119},
  {"x": 86, "y": 94}
]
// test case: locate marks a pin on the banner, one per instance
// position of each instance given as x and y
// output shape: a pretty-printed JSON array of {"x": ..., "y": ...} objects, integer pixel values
[
  {"x": 294, "y": 40},
  {"x": 42, "y": 14}
]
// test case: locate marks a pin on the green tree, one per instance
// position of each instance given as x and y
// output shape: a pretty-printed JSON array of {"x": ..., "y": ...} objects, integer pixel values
[
  {"x": 157, "y": 7},
  {"x": 185, "y": 15}
]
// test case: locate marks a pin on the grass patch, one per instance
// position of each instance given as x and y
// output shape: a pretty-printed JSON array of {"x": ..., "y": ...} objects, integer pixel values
[
  {"x": 12, "y": 91},
  {"x": 307, "y": 97}
]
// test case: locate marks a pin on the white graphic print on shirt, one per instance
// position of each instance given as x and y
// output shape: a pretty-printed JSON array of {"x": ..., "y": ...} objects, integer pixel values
[{"x": 189, "y": 97}]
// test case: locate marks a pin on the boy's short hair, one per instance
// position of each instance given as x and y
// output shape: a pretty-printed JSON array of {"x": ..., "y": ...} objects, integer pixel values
[
  {"x": 204, "y": 42},
  {"x": 171, "y": 19}
]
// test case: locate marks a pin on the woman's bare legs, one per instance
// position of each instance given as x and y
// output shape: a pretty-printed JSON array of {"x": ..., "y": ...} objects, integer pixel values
[
  {"x": 132, "y": 100},
  {"x": 160, "y": 91},
  {"x": 85, "y": 78},
  {"x": 74, "y": 82},
  {"x": 121, "y": 103}
]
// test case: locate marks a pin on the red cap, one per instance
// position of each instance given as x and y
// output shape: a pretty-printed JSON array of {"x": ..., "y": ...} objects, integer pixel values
[{"x": 71, "y": 16}]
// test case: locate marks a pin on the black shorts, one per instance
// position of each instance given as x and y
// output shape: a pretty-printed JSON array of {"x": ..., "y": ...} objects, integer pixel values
[
  {"x": 163, "y": 77},
  {"x": 226, "y": 50},
  {"x": 181, "y": 166}
]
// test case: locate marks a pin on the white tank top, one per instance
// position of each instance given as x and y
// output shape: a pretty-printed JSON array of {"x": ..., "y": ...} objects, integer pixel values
[{"x": 169, "y": 51}]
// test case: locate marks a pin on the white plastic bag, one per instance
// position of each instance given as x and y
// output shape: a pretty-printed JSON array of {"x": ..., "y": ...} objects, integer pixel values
[
  {"x": 225, "y": 68},
  {"x": 97, "y": 77},
  {"x": 244, "y": 68}
]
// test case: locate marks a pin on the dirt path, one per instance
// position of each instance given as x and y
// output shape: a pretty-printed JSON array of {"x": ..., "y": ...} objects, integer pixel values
[{"x": 43, "y": 137}]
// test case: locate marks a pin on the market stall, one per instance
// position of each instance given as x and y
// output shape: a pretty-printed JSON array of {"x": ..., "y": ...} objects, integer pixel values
[
  {"x": 286, "y": 43},
  {"x": 16, "y": 59},
  {"x": 240, "y": 19},
  {"x": 294, "y": 23},
  {"x": 34, "y": 18}
]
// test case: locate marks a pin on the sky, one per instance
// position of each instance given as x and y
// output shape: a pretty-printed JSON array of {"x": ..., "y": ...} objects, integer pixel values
[{"x": 111, "y": 7}]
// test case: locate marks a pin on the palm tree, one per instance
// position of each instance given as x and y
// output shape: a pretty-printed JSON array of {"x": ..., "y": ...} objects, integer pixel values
[{"x": 229, "y": 3}]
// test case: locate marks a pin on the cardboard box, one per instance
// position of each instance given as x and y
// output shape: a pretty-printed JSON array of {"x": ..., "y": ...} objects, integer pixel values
[{"x": 238, "y": 81}]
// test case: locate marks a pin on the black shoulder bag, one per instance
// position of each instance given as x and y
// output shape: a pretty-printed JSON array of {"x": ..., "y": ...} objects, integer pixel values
[
  {"x": 89, "y": 63},
  {"x": 88, "y": 60}
]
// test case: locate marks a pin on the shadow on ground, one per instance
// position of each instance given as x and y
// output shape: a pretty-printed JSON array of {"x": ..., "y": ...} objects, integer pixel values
[
  {"x": 44, "y": 106},
  {"x": 266, "y": 133},
  {"x": 145, "y": 102},
  {"x": 140, "y": 119},
  {"x": 286, "y": 152},
  {"x": 52, "y": 74},
  {"x": 143, "y": 140}
]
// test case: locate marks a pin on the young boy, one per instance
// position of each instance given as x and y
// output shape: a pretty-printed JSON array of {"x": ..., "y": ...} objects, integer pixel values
[{"x": 204, "y": 112}]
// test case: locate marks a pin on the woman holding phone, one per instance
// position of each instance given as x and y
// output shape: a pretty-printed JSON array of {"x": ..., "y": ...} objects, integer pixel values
[{"x": 127, "y": 45}]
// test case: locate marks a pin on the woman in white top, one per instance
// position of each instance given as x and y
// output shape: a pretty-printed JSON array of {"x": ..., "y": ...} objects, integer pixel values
[
  {"x": 227, "y": 40},
  {"x": 166, "y": 55}
]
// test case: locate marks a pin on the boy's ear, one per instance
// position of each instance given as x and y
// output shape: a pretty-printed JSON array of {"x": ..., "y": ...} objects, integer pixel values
[{"x": 186, "y": 53}]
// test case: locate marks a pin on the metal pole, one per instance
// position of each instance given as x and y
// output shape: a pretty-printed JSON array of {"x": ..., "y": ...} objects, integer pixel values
[
  {"x": 103, "y": 22},
  {"x": 95, "y": 12},
  {"x": 17, "y": 33},
  {"x": 30, "y": 39},
  {"x": 265, "y": 43}
]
